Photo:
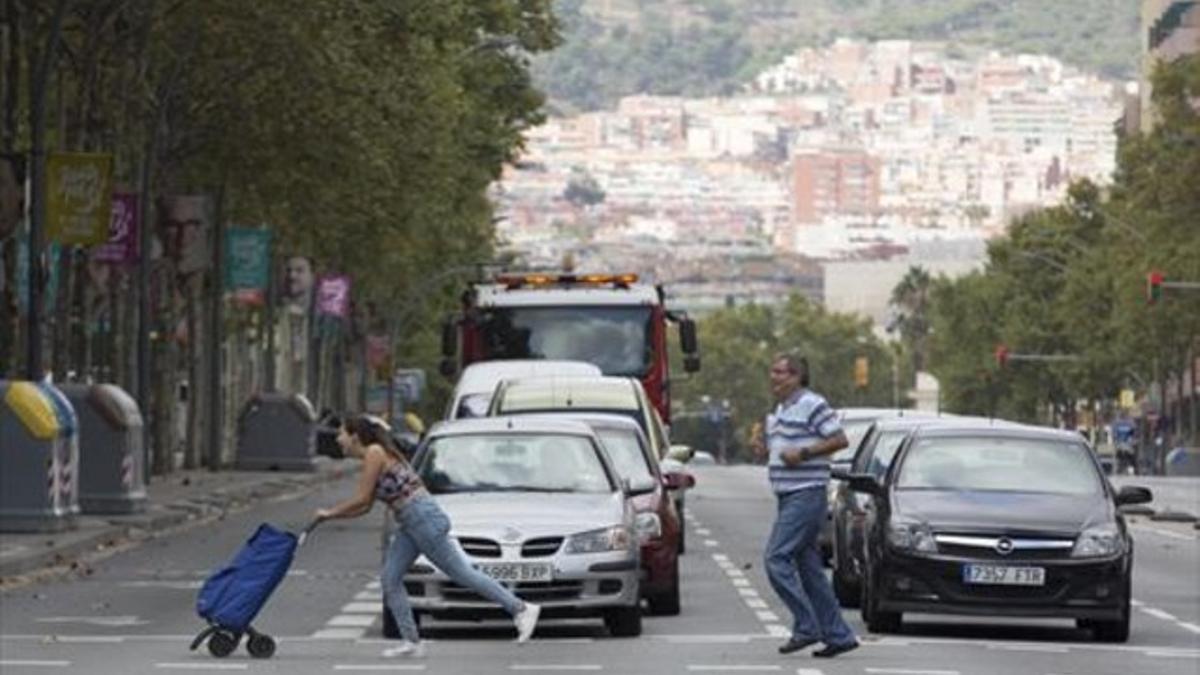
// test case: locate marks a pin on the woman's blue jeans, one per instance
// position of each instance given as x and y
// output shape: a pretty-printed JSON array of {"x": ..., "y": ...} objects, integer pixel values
[{"x": 424, "y": 528}]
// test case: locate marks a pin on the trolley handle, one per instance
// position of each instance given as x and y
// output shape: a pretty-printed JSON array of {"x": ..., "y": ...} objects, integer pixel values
[{"x": 303, "y": 536}]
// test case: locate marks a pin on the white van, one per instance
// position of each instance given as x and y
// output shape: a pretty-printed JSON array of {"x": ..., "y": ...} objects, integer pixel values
[{"x": 473, "y": 393}]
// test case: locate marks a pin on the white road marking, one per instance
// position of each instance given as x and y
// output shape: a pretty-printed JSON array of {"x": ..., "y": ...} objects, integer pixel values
[
  {"x": 369, "y": 595},
  {"x": 775, "y": 630},
  {"x": 1136, "y": 603},
  {"x": 110, "y": 639},
  {"x": 357, "y": 620},
  {"x": 1158, "y": 613},
  {"x": 1050, "y": 649},
  {"x": 720, "y": 556},
  {"x": 361, "y": 608},
  {"x": 747, "y": 592},
  {"x": 703, "y": 531},
  {"x": 374, "y": 586},
  {"x": 202, "y": 666},
  {"x": 767, "y": 617},
  {"x": 711, "y": 542},
  {"x": 1168, "y": 655},
  {"x": 339, "y": 634},
  {"x": 110, "y": 621},
  {"x": 174, "y": 585},
  {"x": 735, "y": 574},
  {"x": 808, "y": 671},
  {"x": 741, "y": 582},
  {"x": 756, "y": 603},
  {"x": 45, "y": 664},
  {"x": 1189, "y": 626}
]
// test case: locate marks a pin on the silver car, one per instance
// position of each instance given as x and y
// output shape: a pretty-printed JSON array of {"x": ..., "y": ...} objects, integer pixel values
[{"x": 538, "y": 505}]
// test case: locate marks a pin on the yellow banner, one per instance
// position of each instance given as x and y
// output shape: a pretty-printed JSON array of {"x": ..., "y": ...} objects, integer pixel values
[{"x": 78, "y": 197}]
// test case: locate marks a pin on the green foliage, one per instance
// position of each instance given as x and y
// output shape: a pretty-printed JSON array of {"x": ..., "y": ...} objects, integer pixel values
[
  {"x": 739, "y": 343},
  {"x": 1070, "y": 280},
  {"x": 710, "y": 47}
]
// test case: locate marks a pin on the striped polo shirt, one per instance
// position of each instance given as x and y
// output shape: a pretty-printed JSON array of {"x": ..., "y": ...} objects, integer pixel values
[{"x": 802, "y": 420}]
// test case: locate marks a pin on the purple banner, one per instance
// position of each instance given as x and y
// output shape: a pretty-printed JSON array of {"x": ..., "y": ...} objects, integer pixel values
[
  {"x": 333, "y": 295},
  {"x": 122, "y": 245}
]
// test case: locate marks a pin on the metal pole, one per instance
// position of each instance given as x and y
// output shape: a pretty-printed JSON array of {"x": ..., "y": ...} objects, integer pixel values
[
  {"x": 144, "y": 311},
  {"x": 215, "y": 334},
  {"x": 270, "y": 318}
]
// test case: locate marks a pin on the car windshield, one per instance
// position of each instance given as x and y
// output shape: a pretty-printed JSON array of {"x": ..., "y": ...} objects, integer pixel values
[
  {"x": 885, "y": 449},
  {"x": 514, "y": 463},
  {"x": 990, "y": 463},
  {"x": 627, "y": 457},
  {"x": 615, "y": 339}
]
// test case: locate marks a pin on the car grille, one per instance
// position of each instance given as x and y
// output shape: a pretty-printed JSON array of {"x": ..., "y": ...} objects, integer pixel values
[
  {"x": 541, "y": 548},
  {"x": 983, "y": 547},
  {"x": 480, "y": 548},
  {"x": 533, "y": 591}
]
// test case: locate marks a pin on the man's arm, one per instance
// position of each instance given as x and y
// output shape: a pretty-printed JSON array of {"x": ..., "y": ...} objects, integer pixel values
[{"x": 823, "y": 447}]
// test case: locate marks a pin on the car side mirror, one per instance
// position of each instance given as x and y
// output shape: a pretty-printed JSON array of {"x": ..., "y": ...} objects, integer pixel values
[
  {"x": 864, "y": 483},
  {"x": 681, "y": 453},
  {"x": 676, "y": 480},
  {"x": 1132, "y": 494}
]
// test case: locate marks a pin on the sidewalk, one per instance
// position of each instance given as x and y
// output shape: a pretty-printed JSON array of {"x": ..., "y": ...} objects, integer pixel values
[{"x": 171, "y": 501}]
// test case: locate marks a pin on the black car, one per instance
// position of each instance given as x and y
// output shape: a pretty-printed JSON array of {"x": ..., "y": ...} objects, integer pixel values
[{"x": 1003, "y": 521}]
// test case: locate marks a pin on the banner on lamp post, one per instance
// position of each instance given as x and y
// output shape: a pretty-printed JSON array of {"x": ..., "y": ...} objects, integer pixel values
[
  {"x": 248, "y": 264},
  {"x": 333, "y": 296},
  {"x": 78, "y": 197},
  {"x": 122, "y": 245}
]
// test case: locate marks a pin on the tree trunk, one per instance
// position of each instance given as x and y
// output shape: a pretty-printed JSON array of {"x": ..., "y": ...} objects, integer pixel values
[{"x": 192, "y": 355}]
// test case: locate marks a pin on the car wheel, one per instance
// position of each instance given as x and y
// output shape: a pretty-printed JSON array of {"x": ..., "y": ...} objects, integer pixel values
[
  {"x": 848, "y": 593},
  {"x": 877, "y": 620},
  {"x": 667, "y": 602},
  {"x": 624, "y": 621},
  {"x": 1112, "y": 631}
]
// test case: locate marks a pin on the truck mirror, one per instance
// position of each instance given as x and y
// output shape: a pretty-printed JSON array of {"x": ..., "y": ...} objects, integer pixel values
[
  {"x": 687, "y": 336},
  {"x": 449, "y": 340}
]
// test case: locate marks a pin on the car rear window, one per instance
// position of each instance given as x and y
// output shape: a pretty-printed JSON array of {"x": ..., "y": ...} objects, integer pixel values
[{"x": 997, "y": 463}]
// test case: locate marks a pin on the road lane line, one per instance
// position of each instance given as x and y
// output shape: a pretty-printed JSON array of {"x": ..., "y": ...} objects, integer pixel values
[
  {"x": 767, "y": 617},
  {"x": 361, "y": 608},
  {"x": 808, "y": 671},
  {"x": 1050, "y": 649},
  {"x": 741, "y": 582},
  {"x": 776, "y": 630},
  {"x": 351, "y": 620},
  {"x": 711, "y": 542},
  {"x": 1168, "y": 655},
  {"x": 102, "y": 639},
  {"x": 32, "y": 664},
  {"x": 720, "y": 556},
  {"x": 202, "y": 666},
  {"x": 1136, "y": 603},
  {"x": 369, "y": 595},
  {"x": 1189, "y": 626},
  {"x": 747, "y": 592},
  {"x": 755, "y": 603},
  {"x": 703, "y": 531},
  {"x": 1158, "y": 613}
]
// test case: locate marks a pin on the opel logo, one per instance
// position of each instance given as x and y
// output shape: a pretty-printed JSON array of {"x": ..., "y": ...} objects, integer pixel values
[{"x": 1004, "y": 546}]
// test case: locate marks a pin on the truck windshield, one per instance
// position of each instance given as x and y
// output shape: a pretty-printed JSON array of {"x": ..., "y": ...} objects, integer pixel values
[{"x": 616, "y": 339}]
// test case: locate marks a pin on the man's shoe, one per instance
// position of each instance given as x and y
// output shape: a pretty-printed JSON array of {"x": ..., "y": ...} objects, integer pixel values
[
  {"x": 796, "y": 644},
  {"x": 831, "y": 651},
  {"x": 526, "y": 621},
  {"x": 414, "y": 650}
]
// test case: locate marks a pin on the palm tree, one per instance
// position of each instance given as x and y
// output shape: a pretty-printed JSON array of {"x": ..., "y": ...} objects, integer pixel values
[{"x": 911, "y": 298}]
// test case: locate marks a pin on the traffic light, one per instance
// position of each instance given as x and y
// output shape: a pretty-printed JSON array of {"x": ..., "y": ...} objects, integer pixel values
[
  {"x": 862, "y": 372},
  {"x": 1154, "y": 283},
  {"x": 1001, "y": 356}
]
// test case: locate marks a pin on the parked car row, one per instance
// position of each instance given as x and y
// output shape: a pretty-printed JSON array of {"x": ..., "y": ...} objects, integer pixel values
[
  {"x": 560, "y": 483},
  {"x": 953, "y": 515}
]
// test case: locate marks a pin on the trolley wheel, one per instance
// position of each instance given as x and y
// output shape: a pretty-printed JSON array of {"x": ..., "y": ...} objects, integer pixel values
[
  {"x": 261, "y": 646},
  {"x": 222, "y": 643}
]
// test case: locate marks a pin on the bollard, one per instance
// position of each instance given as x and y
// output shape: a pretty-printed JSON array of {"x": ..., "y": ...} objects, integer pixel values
[
  {"x": 277, "y": 432},
  {"x": 32, "y": 462},
  {"x": 111, "y": 476}
]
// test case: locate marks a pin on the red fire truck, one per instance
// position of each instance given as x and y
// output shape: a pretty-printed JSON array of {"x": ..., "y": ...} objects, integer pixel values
[{"x": 610, "y": 320}]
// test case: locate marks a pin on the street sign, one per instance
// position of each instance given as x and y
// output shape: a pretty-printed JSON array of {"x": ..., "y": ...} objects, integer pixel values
[{"x": 409, "y": 384}]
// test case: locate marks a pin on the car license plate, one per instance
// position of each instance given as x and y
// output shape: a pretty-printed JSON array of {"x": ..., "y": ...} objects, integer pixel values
[
  {"x": 516, "y": 571},
  {"x": 1004, "y": 575}
]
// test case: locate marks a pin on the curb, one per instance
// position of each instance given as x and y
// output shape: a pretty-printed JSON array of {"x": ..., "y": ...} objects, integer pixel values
[{"x": 126, "y": 531}]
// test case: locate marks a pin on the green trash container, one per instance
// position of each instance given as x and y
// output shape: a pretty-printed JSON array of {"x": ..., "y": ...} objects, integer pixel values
[{"x": 34, "y": 458}]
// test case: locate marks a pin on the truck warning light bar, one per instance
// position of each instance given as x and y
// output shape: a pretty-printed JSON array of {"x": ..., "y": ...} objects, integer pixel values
[{"x": 514, "y": 281}]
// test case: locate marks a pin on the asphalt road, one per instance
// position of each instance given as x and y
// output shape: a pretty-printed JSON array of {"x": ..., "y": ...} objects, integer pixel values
[{"x": 135, "y": 612}]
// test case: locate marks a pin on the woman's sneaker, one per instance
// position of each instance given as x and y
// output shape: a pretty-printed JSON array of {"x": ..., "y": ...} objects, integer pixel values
[
  {"x": 526, "y": 621},
  {"x": 414, "y": 650}
]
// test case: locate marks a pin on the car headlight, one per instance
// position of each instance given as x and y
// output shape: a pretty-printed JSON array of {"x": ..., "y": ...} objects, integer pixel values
[
  {"x": 648, "y": 526},
  {"x": 911, "y": 535},
  {"x": 1097, "y": 542},
  {"x": 599, "y": 541}
]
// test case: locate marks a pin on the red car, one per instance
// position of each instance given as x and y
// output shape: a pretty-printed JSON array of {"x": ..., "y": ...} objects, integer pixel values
[{"x": 659, "y": 525}]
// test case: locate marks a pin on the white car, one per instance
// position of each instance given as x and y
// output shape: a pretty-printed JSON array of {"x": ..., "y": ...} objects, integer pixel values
[{"x": 473, "y": 393}]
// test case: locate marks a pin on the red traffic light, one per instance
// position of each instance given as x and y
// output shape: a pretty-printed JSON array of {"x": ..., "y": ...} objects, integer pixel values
[
  {"x": 1001, "y": 356},
  {"x": 1154, "y": 283}
]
